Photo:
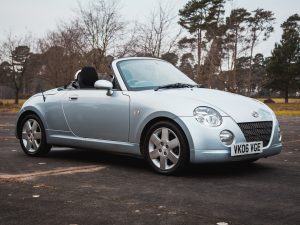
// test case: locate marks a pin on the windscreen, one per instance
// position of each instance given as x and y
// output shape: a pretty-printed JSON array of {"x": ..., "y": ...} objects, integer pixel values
[{"x": 143, "y": 74}]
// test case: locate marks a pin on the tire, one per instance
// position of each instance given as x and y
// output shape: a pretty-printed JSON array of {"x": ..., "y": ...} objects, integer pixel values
[
  {"x": 165, "y": 148},
  {"x": 33, "y": 136}
]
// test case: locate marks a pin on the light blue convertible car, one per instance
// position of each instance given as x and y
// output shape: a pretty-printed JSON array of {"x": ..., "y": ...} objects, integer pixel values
[{"x": 149, "y": 108}]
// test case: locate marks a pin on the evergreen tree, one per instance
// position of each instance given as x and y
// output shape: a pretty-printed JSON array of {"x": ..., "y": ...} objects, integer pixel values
[
  {"x": 199, "y": 16},
  {"x": 19, "y": 59},
  {"x": 260, "y": 24},
  {"x": 235, "y": 38},
  {"x": 186, "y": 64},
  {"x": 170, "y": 57},
  {"x": 284, "y": 64}
]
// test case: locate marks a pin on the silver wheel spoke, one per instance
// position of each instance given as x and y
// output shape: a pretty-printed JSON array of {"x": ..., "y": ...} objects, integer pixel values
[
  {"x": 28, "y": 145},
  {"x": 154, "y": 154},
  {"x": 27, "y": 126},
  {"x": 165, "y": 134},
  {"x": 174, "y": 143},
  {"x": 24, "y": 135},
  {"x": 155, "y": 140},
  {"x": 163, "y": 163},
  {"x": 172, "y": 157},
  {"x": 34, "y": 125},
  {"x": 37, "y": 135},
  {"x": 35, "y": 145}
]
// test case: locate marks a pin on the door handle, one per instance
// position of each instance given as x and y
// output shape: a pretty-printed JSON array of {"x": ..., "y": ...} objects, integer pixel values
[{"x": 73, "y": 97}]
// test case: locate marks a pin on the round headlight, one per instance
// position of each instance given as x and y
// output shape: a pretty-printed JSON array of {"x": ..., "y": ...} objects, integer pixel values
[{"x": 207, "y": 116}]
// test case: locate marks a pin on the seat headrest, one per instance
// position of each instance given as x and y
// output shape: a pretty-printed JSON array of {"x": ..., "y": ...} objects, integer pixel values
[{"x": 87, "y": 77}]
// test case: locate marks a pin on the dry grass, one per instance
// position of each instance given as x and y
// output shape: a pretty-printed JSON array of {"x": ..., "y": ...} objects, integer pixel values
[
  {"x": 280, "y": 108},
  {"x": 281, "y": 100},
  {"x": 8, "y": 105}
]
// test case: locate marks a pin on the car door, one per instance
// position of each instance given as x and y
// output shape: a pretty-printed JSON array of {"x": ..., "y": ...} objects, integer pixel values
[{"x": 93, "y": 114}]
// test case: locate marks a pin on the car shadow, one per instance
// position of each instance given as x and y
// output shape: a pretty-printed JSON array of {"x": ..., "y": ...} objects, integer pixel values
[
  {"x": 211, "y": 170},
  {"x": 96, "y": 157},
  {"x": 234, "y": 169}
]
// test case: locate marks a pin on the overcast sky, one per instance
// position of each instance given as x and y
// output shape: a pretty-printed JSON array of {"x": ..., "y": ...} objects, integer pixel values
[{"x": 39, "y": 16}]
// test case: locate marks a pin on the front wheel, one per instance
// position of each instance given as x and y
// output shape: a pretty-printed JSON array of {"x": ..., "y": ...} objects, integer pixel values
[
  {"x": 33, "y": 136},
  {"x": 165, "y": 148}
]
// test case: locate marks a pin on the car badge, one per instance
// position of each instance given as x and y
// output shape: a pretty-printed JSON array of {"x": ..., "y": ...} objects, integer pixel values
[{"x": 255, "y": 114}]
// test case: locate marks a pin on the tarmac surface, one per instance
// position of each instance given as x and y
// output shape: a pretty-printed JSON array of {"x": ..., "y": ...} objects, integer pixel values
[{"x": 80, "y": 186}]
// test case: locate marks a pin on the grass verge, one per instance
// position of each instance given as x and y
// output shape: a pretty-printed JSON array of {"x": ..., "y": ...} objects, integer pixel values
[
  {"x": 8, "y": 105},
  {"x": 281, "y": 109}
]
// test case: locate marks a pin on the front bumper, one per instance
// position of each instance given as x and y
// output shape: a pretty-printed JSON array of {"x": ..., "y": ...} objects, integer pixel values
[
  {"x": 206, "y": 146},
  {"x": 209, "y": 156}
]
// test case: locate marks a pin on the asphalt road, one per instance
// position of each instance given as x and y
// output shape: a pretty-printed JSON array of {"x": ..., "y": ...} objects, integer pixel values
[{"x": 79, "y": 186}]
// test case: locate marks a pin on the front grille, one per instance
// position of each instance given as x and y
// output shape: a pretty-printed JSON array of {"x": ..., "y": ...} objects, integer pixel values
[{"x": 257, "y": 131}]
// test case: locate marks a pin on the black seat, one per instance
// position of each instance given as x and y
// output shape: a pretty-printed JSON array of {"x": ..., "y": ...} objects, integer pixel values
[{"x": 87, "y": 77}]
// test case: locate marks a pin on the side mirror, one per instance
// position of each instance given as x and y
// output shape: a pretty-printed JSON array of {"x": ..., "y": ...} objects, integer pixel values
[{"x": 104, "y": 85}]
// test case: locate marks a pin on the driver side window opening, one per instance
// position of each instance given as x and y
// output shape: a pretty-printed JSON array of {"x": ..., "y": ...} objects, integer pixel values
[{"x": 87, "y": 76}]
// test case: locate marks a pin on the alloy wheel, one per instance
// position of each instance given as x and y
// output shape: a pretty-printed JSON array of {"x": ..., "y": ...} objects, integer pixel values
[
  {"x": 31, "y": 135},
  {"x": 164, "y": 148}
]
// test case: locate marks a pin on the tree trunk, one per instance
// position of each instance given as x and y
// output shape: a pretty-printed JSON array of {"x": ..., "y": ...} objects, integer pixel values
[
  {"x": 286, "y": 96},
  {"x": 17, "y": 96},
  {"x": 234, "y": 82},
  {"x": 250, "y": 68},
  {"x": 199, "y": 39}
]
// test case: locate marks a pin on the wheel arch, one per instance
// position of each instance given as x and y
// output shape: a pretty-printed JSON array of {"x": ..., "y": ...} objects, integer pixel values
[
  {"x": 175, "y": 121},
  {"x": 22, "y": 115}
]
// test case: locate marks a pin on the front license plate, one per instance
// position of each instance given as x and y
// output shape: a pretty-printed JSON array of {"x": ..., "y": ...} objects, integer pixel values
[{"x": 247, "y": 148}]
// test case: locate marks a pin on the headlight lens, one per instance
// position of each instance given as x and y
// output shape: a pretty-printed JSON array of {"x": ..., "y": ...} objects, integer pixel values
[{"x": 207, "y": 116}]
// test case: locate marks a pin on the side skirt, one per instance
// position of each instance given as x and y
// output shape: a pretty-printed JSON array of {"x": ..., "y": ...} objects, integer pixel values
[{"x": 67, "y": 138}]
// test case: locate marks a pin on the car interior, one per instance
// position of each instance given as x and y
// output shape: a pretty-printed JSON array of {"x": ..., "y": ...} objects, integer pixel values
[{"x": 86, "y": 78}]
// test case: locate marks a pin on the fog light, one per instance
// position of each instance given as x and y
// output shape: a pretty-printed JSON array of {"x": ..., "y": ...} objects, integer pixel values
[{"x": 226, "y": 137}]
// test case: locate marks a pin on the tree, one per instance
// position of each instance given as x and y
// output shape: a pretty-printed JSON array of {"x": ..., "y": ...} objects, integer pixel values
[
  {"x": 101, "y": 25},
  {"x": 16, "y": 53},
  {"x": 18, "y": 64},
  {"x": 259, "y": 73},
  {"x": 235, "y": 39},
  {"x": 242, "y": 69},
  {"x": 194, "y": 17},
  {"x": 260, "y": 24},
  {"x": 63, "y": 52},
  {"x": 154, "y": 34},
  {"x": 215, "y": 37},
  {"x": 186, "y": 64},
  {"x": 55, "y": 69},
  {"x": 170, "y": 57},
  {"x": 154, "y": 37},
  {"x": 284, "y": 64}
]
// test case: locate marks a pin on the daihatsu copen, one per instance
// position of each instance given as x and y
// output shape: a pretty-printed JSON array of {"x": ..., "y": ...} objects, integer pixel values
[{"x": 149, "y": 108}]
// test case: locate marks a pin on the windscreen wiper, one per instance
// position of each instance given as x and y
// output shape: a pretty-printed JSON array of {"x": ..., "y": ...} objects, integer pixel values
[{"x": 177, "y": 85}]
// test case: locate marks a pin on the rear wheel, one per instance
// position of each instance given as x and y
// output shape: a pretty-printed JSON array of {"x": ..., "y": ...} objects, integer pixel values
[
  {"x": 165, "y": 148},
  {"x": 33, "y": 136}
]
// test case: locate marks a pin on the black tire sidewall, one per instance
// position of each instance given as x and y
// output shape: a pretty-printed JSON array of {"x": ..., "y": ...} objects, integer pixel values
[
  {"x": 44, "y": 148},
  {"x": 184, "y": 148}
]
